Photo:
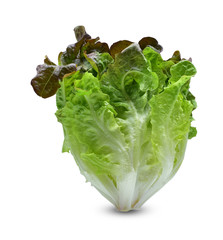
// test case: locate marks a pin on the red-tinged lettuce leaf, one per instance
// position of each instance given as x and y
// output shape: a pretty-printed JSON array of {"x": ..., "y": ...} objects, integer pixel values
[
  {"x": 117, "y": 47},
  {"x": 73, "y": 50},
  {"x": 80, "y": 32},
  {"x": 176, "y": 57},
  {"x": 46, "y": 82},
  {"x": 93, "y": 45},
  {"x": 71, "y": 53},
  {"x": 48, "y": 61},
  {"x": 149, "y": 41}
]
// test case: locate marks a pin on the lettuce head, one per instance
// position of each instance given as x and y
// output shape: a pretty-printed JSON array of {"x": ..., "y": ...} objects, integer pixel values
[{"x": 126, "y": 113}]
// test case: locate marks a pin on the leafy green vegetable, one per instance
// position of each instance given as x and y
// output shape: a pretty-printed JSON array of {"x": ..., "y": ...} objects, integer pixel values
[
  {"x": 46, "y": 82},
  {"x": 126, "y": 114}
]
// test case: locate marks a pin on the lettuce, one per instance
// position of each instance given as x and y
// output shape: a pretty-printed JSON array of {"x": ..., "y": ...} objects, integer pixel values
[{"x": 126, "y": 114}]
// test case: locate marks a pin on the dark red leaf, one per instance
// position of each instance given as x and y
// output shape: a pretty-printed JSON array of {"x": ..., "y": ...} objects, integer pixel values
[
  {"x": 149, "y": 41},
  {"x": 46, "y": 82},
  {"x": 117, "y": 47}
]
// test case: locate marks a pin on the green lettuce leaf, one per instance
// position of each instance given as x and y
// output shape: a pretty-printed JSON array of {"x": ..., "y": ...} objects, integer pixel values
[{"x": 99, "y": 62}]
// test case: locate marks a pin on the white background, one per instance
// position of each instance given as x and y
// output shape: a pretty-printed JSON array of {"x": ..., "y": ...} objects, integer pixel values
[{"x": 42, "y": 194}]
